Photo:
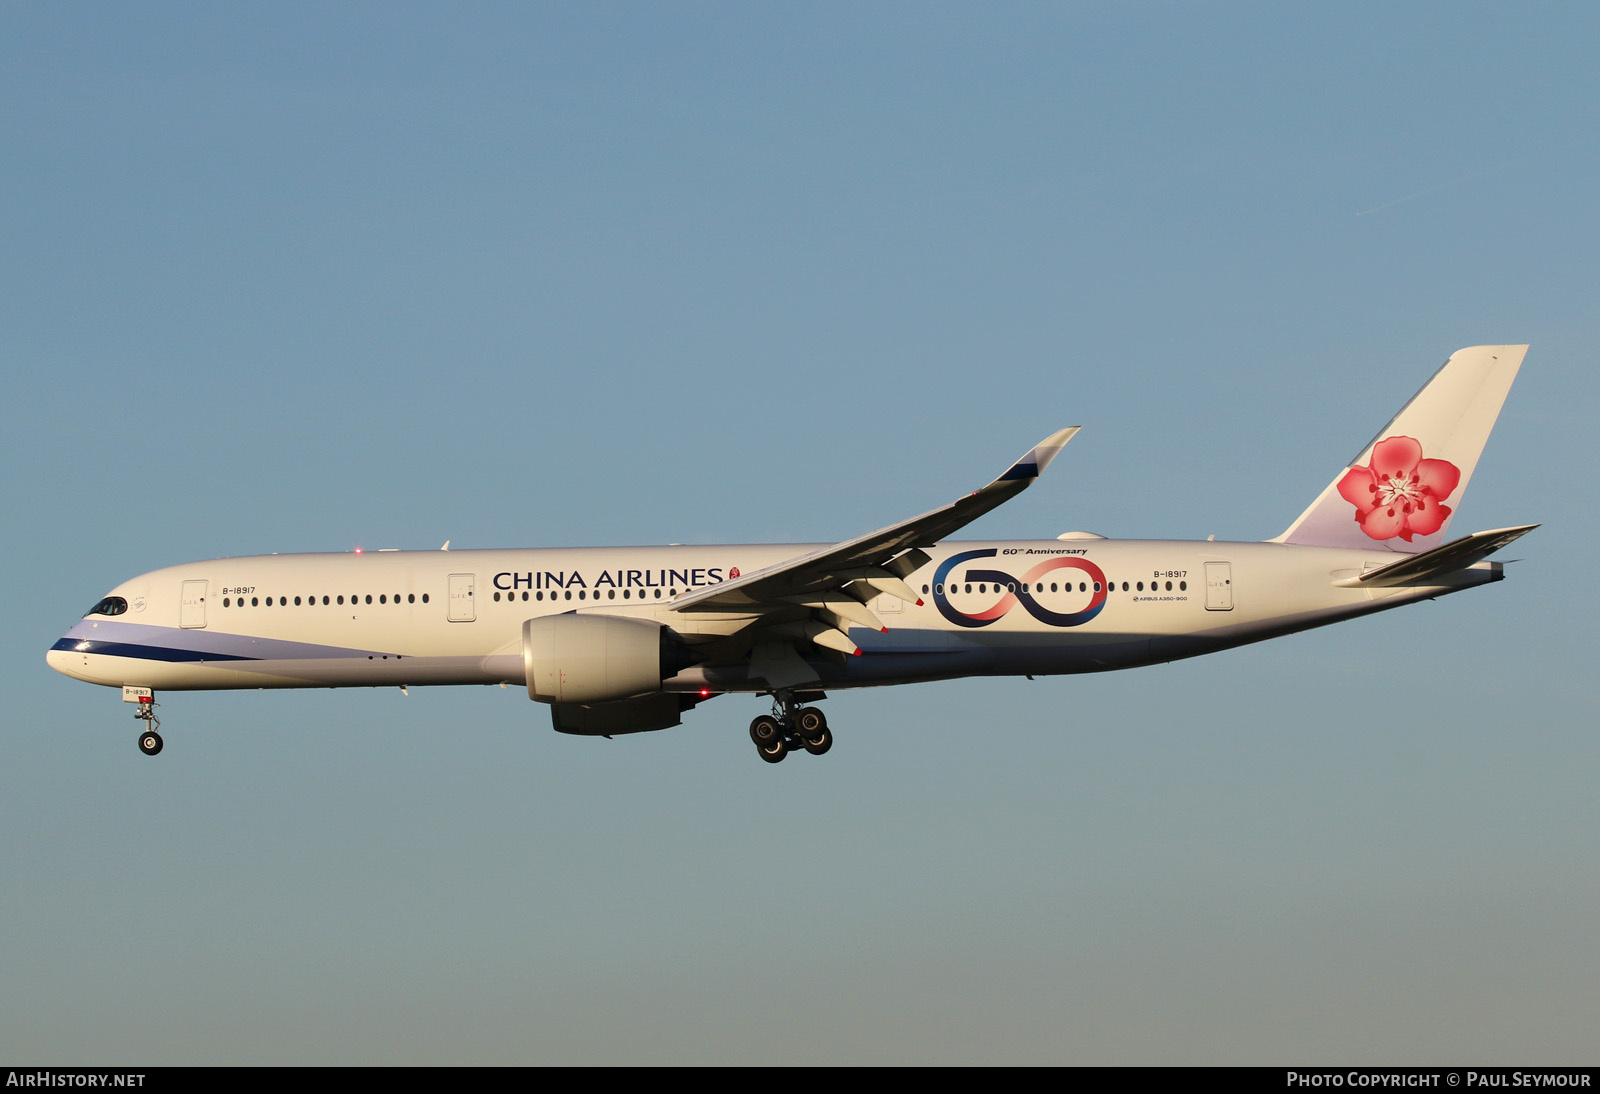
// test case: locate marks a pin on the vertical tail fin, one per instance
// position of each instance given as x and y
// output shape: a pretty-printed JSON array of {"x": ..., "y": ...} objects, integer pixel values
[{"x": 1403, "y": 488}]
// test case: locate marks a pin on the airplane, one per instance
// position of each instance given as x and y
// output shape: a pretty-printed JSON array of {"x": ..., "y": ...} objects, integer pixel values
[{"x": 621, "y": 640}]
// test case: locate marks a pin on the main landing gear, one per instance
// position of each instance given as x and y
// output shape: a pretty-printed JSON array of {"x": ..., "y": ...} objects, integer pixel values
[
  {"x": 149, "y": 739},
  {"x": 788, "y": 727}
]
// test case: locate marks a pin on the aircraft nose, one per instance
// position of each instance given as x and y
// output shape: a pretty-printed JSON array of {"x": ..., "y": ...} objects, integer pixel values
[{"x": 65, "y": 659}]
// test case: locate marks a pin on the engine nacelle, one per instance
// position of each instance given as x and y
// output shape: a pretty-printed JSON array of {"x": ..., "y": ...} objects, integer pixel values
[
  {"x": 662, "y": 710},
  {"x": 594, "y": 658}
]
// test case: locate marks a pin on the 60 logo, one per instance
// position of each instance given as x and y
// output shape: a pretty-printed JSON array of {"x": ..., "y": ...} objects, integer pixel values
[{"x": 1017, "y": 590}]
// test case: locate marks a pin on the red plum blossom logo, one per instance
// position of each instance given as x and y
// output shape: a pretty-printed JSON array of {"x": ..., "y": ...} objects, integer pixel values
[{"x": 1400, "y": 494}]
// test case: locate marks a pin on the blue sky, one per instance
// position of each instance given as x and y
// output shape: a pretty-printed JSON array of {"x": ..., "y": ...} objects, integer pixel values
[{"x": 306, "y": 277}]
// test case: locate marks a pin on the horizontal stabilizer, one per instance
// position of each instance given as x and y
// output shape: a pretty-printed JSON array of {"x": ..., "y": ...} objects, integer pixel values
[{"x": 1456, "y": 555}]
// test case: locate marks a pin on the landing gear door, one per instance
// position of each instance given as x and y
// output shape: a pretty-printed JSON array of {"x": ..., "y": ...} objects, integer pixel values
[
  {"x": 1219, "y": 587},
  {"x": 192, "y": 609},
  {"x": 462, "y": 609}
]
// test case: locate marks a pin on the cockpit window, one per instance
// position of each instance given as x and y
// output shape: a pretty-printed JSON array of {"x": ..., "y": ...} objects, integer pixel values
[{"x": 111, "y": 605}]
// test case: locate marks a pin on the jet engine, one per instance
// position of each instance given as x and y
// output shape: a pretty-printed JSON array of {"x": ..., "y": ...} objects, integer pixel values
[{"x": 595, "y": 658}]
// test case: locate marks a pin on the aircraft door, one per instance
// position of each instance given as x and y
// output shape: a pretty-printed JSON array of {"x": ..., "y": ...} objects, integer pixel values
[
  {"x": 1219, "y": 587},
  {"x": 462, "y": 608},
  {"x": 192, "y": 608}
]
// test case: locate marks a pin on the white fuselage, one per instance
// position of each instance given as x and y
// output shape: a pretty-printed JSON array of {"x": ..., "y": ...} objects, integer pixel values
[{"x": 456, "y": 617}]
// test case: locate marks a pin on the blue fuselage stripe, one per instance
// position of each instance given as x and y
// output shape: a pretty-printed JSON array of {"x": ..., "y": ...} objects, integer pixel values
[{"x": 144, "y": 653}]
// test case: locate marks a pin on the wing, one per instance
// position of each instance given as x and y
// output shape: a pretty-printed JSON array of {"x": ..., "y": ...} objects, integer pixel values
[{"x": 819, "y": 594}]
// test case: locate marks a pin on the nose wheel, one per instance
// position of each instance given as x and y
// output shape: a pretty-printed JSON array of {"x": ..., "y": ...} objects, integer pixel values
[
  {"x": 149, "y": 739},
  {"x": 789, "y": 727}
]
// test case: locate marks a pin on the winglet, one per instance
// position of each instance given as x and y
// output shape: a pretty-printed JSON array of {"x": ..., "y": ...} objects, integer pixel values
[{"x": 1037, "y": 458}]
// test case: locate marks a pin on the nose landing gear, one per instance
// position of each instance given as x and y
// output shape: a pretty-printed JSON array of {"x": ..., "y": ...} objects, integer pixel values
[
  {"x": 149, "y": 739},
  {"x": 788, "y": 727}
]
